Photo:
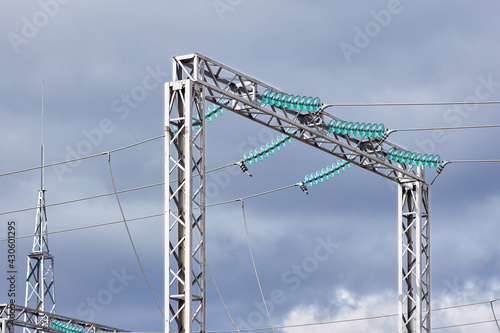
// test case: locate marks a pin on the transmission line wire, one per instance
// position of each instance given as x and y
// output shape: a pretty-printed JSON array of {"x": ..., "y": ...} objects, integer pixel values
[
  {"x": 84, "y": 198},
  {"x": 409, "y": 104},
  {"x": 445, "y": 163},
  {"x": 252, "y": 196},
  {"x": 89, "y": 226},
  {"x": 107, "y": 194},
  {"x": 220, "y": 296},
  {"x": 254, "y": 266},
  {"x": 161, "y": 214},
  {"x": 465, "y": 324},
  {"x": 494, "y": 314},
  {"x": 442, "y": 128},
  {"x": 81, "y": 158},
  {"x": 364, "y": 318},
  {"x": 140, "y": 217},
  {"x": 130, "y": 236}
]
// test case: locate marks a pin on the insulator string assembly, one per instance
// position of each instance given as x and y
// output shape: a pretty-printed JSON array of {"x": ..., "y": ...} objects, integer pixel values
[{"x": 292, "y": 102}]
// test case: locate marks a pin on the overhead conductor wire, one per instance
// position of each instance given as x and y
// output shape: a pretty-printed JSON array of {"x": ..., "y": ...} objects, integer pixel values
[
  {"x": 81, "y": 158},
  {"x": 255, "y": 267},
  {"x": 409, "y": 104},
  {"x": 140, "y": 217},
  {"x": 130, "y": 236},
  {"x": 494, "y": 315},
  {"x": 339, "y": 321}
]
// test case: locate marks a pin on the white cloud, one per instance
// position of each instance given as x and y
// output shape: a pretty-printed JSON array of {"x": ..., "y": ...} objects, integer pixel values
[{"x": 351, "y": 312}]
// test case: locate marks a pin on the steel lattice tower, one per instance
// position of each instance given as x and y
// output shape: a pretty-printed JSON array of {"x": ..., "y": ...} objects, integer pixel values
[
  {"x": 40, "y": 287},
  {"x": 198, "y": 79}
]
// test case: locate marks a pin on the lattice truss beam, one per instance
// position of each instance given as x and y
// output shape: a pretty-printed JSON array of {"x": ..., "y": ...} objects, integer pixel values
[
  {"x": 242, "y": 94},
  {"x": 185, "y": 207},
  {"x": 12, "y": 315},
  {"x": 414, "y": 257}
]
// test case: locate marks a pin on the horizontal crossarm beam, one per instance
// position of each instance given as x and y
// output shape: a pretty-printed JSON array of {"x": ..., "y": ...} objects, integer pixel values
[{"x": 242, "y": 94}]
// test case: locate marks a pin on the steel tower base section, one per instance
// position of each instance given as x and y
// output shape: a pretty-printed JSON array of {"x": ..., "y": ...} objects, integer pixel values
[
  {"x": 414, "y": 257},
  {"x": 184, "y": 207}
]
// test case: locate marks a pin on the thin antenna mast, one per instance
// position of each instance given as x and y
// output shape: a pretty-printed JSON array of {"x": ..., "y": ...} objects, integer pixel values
[{"x": 43, "y": 152}]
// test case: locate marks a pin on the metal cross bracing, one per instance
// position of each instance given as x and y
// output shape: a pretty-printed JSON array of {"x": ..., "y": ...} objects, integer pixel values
[
  {"x": 40, "y": 287},
  {"x": 184, "y": 208},
  {"x": 12, "y": 315},
  {"x": 198, "y": 79},
  {"x": 414, "y": 257}
]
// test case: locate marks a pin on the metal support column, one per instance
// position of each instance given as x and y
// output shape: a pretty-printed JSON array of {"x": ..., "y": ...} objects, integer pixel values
[
  {"x": 184, "y": 207},
  {"x": 414, "y": 256}
]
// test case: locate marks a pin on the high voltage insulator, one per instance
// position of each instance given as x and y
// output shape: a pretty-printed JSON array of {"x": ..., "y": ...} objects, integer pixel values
[
  {"x": 213, "y": 110},
  {"x": 356, "y": 129},
  {"x": 411, "y": 158},
  {"x": 299, "y": 103},
  {"x": 325, "y": 174},
  {"x": 65, "y": 327},
  {"x": 211, "y": 113},
  {"x": 265, "y": 150}
]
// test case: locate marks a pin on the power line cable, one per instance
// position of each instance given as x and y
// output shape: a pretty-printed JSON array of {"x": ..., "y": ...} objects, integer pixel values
[
  {"x": 130, "y": 236},
  {"x": 106, "y": 194},
  {"x": 220, "y": 296},
  {"x": 409, "y": 104},
  {"x": 465, "y": 324},
  {"x": 161, "y": 214},
  {"x": 89, "y": 226},
  {"x": 82, "y": 158},
  {"x": 254, "y": 266},
  {"x": 140, "y": 217},
  {"x": 84, "y": 198},
  {"x": 442, "y": 128},
  {"x": 494, "y": 315},
  {"x": 253, "y": 195},
  {"x": 361, "y": 319},
  {"x": 445, "y": 163}
]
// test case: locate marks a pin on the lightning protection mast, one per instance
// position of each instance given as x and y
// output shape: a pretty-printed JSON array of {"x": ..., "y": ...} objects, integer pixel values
[
  {"x": 198, "y": 80},
  {"x": 40, "y": 288}
]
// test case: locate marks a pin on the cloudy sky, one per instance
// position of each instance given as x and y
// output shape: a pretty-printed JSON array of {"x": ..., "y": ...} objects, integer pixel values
[{"x": 104, "y": 63}]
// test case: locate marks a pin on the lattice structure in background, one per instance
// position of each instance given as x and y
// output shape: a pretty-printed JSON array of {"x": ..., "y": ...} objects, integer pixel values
[
  {"x": 39, "y": 321},
  {"x": 198, "y": 80}
]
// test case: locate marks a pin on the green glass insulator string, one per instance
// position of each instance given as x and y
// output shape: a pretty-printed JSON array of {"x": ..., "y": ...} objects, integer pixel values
[
  {"x": 291, "y": 102},
  {"x": 266, "y": 150},
  {"x": 356, "y": 129},
  {"x": 412, "y": 158},
  {"x": 326, "y": 173}
]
